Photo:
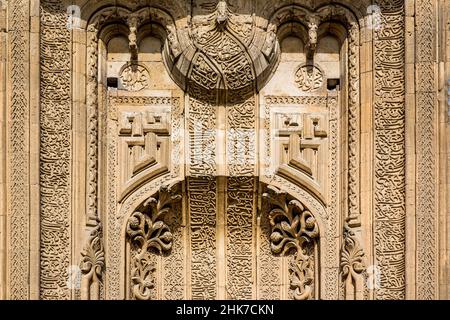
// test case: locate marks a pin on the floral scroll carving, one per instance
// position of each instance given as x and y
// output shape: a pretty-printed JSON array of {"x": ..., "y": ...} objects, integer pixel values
[
  {"x": 294, "y": 229},
  {"x": 149, "y": 234}
]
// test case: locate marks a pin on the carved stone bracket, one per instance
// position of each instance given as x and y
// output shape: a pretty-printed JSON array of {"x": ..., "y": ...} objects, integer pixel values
[
  {"x": 313, "y": 26},
  {"x": 293, "y": 229},
  {"x": 149, "y": 234}
]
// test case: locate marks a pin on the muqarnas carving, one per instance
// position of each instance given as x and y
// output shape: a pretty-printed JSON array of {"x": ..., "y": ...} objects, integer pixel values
[
  {"x": 294, "y": 230},
  {"x": 149, "y": 235},
  {"x": 236, "y": 70}
]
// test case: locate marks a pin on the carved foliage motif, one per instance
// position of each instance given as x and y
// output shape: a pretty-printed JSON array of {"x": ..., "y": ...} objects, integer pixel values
[
  {"x": 293, "y": 228},
  {"x": 55, "y": 150},
  {"x": 389, "y": 106},
  {"x": 92, "y": 264},
  {"x": 19, "y": 223},
  {"x": 149, "y": 234},
  {"x": 352, "y": 265}
]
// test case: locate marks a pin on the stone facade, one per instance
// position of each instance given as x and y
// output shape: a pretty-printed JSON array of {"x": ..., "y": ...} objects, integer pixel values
[{"x": 207, "y": 149}]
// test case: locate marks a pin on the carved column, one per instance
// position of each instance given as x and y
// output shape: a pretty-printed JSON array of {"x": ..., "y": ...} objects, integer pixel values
[
  {"x": 93, "y": 261},
  {"x": 352, "y": 218},
  {"x": 352, "y": 253}
]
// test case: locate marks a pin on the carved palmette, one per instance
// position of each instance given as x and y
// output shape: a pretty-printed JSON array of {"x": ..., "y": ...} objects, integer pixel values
[
  {"x": 92, "y": 264},
  {"x": 149, "y": 234},
  {"x": 352, "y": 265},
  {"x": 294, "y": 228}
]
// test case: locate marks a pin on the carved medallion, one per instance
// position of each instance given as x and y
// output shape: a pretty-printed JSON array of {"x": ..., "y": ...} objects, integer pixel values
[
  {"x": 135, "y": 77},
  {"x": 309, "y": 78}
]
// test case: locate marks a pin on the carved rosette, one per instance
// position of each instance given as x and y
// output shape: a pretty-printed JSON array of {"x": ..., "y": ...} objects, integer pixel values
[
  {"x": 294, "y": 229},
  {"x": 149, "y": 234}
]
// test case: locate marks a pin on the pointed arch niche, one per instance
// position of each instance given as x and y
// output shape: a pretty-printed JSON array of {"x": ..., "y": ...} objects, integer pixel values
[
  {"x": 287, "y": 127},
  {"x": 128, "y": 128},
  {"x": 311, "y": 116}
]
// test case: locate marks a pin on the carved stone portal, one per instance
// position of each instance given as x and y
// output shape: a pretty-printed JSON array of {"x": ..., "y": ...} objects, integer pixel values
[{"x": 223, "y": 149}]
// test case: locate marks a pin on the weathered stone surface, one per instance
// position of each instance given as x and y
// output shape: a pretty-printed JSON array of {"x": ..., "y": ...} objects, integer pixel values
[{"x": 214, "y": 149}]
